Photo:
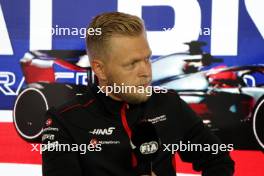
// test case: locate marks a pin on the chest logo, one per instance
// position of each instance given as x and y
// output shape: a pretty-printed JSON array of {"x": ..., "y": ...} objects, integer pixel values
[
  {"x": 105, "y": 131},
  {"x": 157, "y": 119}
]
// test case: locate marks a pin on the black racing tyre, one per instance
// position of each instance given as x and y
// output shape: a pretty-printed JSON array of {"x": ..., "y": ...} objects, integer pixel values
[
  {"x": 33, "y": 102},
  {"x": 258, "y": 123}
]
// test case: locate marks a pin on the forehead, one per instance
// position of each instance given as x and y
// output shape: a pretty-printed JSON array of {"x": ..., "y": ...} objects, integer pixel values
[{"x": 123, "y": 48}]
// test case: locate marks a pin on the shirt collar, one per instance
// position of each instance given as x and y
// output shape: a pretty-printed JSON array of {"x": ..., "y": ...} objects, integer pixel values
[{"x": 109, "y": 104}]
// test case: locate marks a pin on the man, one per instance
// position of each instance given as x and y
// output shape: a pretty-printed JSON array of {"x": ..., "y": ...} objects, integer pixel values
[{"x": 104, "y": 119}]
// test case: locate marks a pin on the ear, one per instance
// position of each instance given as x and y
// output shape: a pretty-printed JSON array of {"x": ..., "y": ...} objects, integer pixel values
[{"x": 98, "y": 67}]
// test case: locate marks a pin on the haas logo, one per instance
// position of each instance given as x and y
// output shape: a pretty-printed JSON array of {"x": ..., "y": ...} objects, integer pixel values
[{"x": 105, "y": 131}]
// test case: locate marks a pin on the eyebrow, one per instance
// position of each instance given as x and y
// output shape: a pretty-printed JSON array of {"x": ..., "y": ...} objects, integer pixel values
[
  {"x": 149, "y": 55},
  {"x": 138, "y": 59}
]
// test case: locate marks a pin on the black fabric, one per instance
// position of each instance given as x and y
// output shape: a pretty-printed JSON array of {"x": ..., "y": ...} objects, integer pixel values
[{"x": 96, "y": 117}]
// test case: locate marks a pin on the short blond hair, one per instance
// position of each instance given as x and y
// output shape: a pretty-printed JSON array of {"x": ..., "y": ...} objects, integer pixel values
[{"x": 111, "y": 24}]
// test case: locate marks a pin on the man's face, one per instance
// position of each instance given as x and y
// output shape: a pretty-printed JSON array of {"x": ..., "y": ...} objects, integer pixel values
[{"x": 128, "y": 64}]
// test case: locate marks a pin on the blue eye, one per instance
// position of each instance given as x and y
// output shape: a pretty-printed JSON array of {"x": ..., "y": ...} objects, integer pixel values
[{"x": 131, "y": 65}]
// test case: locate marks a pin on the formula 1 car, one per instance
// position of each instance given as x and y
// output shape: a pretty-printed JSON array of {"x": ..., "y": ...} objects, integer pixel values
[
  {"x": 224, "y": 97},
  {"x": 50, "y": 81}
]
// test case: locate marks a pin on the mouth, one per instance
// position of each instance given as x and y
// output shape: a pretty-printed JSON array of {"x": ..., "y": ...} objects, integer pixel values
[
  {"x": 144, "y": 85},
  {"x": 147, "y": 84}
]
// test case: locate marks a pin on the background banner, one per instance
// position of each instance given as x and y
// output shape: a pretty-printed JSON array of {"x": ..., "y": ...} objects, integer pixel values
[{"x": 220, "y": 77}]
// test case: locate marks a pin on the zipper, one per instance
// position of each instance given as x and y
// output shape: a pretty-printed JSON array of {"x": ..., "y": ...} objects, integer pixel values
[{"x": 128, "y": 131}]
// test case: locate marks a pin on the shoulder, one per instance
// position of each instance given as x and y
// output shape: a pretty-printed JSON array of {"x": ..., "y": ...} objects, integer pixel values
[
  {"x": 167, "y": 100},
  {"x": 76, "y": 104},
  {"x": 72, "y": 108},
  {"x": 165, "y": 95},
  {"x": 172, "y": 102},
  {"x": 179, "y": 113}
]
